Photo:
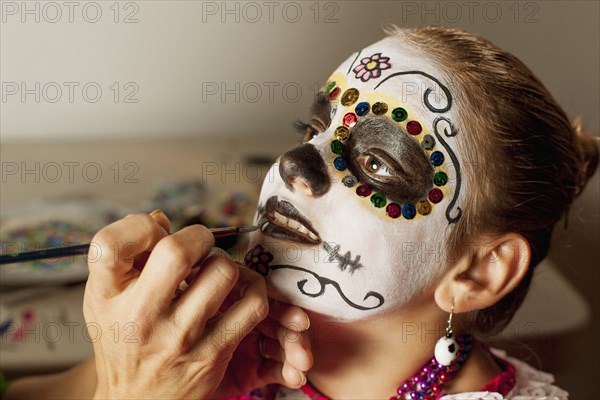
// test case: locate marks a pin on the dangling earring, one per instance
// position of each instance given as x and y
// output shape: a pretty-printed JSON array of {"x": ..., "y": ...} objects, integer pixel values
[{"x": 446, "y": 348}]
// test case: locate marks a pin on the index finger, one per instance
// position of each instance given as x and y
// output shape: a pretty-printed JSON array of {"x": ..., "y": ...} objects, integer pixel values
[
  {"x": 170, "y": 262},
  {"x": 113, "y": 250}
]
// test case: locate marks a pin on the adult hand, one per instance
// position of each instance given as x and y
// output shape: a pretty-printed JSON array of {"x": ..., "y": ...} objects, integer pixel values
[
  {"x": 278, "y": 351},
  {"x": 151, "y": 340}
]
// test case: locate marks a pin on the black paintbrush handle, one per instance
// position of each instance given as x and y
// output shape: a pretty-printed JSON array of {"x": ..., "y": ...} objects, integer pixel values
[
  {"x": 82, "y": 249},
  {"x": 46, "y": 253}
]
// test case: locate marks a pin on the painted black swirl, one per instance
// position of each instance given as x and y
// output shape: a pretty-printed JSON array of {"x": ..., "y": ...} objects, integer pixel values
[
  {"x": 450, "y": 133},
  {"x": 428, "y": 92},
  {"x": 323, "y": 282}
]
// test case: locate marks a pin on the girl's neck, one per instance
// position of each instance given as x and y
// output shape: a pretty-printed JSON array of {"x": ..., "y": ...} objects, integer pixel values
[{"x": 370, "y": 359}]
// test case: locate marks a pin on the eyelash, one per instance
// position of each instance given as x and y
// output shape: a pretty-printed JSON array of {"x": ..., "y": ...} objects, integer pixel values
[{"x": 306, "y": 129}]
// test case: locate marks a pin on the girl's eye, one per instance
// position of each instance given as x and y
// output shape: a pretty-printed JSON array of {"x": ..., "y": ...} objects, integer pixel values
[
  {"x": 310, "y": 133},
  {"x": 375, "y": 165},
  {"x": 307, "y": 130}
]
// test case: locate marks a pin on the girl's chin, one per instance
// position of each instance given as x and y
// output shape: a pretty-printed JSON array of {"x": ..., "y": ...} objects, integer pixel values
[{"x": 274, "y": 294}]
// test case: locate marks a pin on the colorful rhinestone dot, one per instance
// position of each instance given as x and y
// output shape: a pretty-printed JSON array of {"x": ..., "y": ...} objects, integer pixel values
[
  {"x": 428, "y": 142},
  {"x": 423, "y": 207},
  {"x": 342, "y": 133},
  {"x": 440, "y": 178},
  {"x": 340, "y": 163},
  {"x": 399, "y": 114},
  {"x": 337, "y": 147},
  {"x": 362, "y": 108},
  {"x": 436, "y": 158},
  {"x": 414, "y": 127},
  {"x": 378, "y": 200},
  {"x": 409, "y": 211},
  {"x": 379, "y": 108},
  {"x": 435, "y": 195},
  {"x": 393, "y": 210},
  {"x": 364, "y": 190},
  {"x": 330, "y": 86},
  {"x": 349, "y": 181},
  {"x": 333, "y": 95},
  {"x": 350, "y": 120},
  {"x": 350, "y": 96}
]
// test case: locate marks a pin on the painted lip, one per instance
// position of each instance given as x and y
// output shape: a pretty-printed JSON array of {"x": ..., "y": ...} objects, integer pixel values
[{"x": 281, "y": 220}]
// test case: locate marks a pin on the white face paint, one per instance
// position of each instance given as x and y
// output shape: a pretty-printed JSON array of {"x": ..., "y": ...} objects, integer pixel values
[{"x": 327, "y": 249}]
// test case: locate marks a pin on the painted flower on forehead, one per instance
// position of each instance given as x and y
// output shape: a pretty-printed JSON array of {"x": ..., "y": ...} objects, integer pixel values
[
  {"x": 371, "y": 67},
  {"x": 258, "y": 259}
]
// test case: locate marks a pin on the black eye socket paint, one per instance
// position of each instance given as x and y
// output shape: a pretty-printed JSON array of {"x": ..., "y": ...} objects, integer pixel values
[{"x": 412, "y": 173}]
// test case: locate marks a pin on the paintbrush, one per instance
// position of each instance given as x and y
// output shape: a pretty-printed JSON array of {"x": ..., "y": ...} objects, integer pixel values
[{"x": 82, "y": 249}]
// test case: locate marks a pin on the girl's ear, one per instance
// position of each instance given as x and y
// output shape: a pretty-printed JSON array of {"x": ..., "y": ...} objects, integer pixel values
[{"x": 485, "y": 273}]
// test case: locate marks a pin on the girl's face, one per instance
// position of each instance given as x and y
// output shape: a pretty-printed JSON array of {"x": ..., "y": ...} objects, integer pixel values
[{"x": 353, "y": 222}]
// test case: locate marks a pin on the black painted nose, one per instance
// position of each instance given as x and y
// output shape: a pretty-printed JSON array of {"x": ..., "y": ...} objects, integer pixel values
[{"x": 303, "y": 170}]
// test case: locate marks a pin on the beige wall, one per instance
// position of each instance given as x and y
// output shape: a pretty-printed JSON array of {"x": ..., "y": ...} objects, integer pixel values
[{"x": 175, "y": 49}]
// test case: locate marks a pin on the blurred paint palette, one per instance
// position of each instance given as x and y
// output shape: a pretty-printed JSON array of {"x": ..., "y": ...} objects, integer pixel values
[{"x": 45, "y": 225}]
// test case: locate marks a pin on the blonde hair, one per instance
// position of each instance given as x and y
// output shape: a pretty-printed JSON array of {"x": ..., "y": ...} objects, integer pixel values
[{"x": 531, "y": 161}]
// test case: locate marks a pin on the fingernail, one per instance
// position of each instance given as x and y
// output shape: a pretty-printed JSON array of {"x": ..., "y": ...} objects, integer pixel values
[
  {"x": 304, "y": 380},
  {"x": 156, "y": 212}
]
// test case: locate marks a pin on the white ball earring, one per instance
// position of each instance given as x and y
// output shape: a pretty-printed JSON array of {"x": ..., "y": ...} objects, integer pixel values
[{"x": 446, "y": 348}]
